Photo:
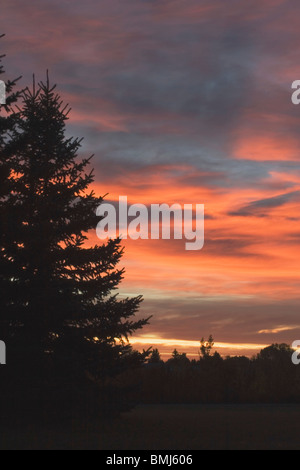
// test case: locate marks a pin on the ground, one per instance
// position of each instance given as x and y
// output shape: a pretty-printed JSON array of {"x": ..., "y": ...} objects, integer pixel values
[{"x": 172, "y": 427}]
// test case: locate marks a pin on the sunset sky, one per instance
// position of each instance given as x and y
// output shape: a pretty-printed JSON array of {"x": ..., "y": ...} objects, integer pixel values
[{"x": 186, "y": 102}]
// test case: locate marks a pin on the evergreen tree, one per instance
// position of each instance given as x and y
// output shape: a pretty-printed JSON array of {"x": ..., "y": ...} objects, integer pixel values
[
  {"x": 8, "y": 121},
  {"x": 155, "y": 357},
  {"x": 65, "y": 323},
  {"x": 178, "y": 359}
]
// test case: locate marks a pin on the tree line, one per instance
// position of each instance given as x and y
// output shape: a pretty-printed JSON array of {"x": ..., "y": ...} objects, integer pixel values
[{"x": 268, "y": 377}]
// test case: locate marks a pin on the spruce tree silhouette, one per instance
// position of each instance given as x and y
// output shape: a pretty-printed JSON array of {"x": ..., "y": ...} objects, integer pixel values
[
  {"x": 155, "y": 357},
  {"x": 8, "y": 121},
  {"x": 67, "y": 336}
]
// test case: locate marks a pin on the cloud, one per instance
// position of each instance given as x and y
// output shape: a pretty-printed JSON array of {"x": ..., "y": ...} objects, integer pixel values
[
  {"x": 261, "y": 207},
  {"x": 277, "y": 330}
]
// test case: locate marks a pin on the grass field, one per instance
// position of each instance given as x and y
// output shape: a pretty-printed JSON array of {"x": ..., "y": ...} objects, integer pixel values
[{"x": 174, "y": 427}]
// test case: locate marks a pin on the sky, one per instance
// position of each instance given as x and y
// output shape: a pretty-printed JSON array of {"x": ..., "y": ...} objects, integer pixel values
[{"x": 186, "y": 102}]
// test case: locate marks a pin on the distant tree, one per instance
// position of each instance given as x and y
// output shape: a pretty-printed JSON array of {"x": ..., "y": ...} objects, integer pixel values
[
  {"x": 155, "y": 357},
  {"x": 175, "y": 354},
  {"x": 66, "y": 327},
  {"x": 217, "y": 356},
  {"x": 276, "y": 352},
  {"x": 206, "y": 347},
  {"x": 178, "y": 358},
  {"x": 275, "y": 376}
]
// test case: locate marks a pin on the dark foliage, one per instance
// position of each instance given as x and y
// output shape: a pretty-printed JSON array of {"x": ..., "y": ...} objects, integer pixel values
[
  {"x": 270, "y": 377},
  {"x": 66, "y": 332}
]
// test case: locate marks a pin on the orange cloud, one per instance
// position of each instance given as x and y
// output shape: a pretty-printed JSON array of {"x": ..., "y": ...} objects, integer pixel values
[{"x": 267, "y": 148}]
